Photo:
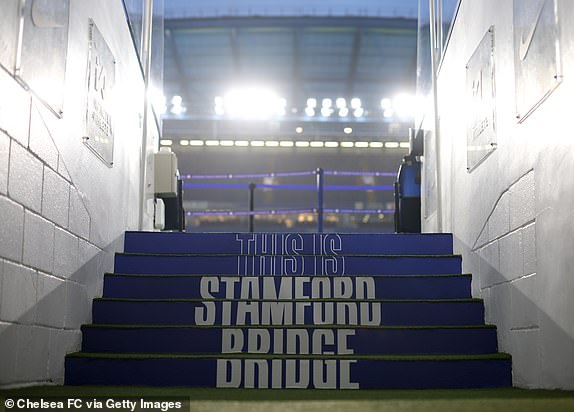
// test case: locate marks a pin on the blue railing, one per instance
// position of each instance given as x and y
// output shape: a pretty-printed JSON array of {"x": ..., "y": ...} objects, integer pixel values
[{"x": 319, "y": 187}]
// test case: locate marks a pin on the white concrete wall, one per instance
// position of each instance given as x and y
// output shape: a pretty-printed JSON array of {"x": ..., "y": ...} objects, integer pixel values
[
  {"x": 512, "y": 216},
  {"x": 62, "y": 210}
]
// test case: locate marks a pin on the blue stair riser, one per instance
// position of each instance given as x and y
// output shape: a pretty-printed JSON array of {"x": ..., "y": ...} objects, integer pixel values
[
  {"x": 287, "y": 265},
  {"x": 382, "y": 341},
  {"x": 294, "y": 373},
  {"x": 282, "y": 243},
  {"x": 355, "y": 287},
  {"x": 388, "y": 313}
]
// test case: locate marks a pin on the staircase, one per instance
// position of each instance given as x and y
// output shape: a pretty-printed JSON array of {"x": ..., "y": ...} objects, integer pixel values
[{"x": 334, "y": 311}]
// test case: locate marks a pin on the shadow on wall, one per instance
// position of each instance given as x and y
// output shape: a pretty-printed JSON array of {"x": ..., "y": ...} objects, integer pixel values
[
  {"x": 514, "y": 283},
  {"x": 50, "y": 265},
  {"x": 42, "y": 315}
]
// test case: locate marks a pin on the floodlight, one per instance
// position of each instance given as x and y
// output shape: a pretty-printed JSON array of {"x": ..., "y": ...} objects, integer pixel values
[
  {"x": 311, "y": 102},
  {"x": 326, "y": 111},
  {"x": 341, "y": 103},
  {"x": 386, "y": 103},
  {"x": 309, "y": 111}
]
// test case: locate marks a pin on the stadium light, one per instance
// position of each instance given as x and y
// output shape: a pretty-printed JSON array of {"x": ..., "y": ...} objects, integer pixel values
[
  {"x": 309, "y": 111},
  {"x": 255, "y": 103},
  {"x": 311, "y": 102},
  {"x": 341, "y": 103}
]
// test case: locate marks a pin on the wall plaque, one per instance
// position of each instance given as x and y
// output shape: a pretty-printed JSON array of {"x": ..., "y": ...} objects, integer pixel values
[
  {"x": 536, "y": 53},
  {"x": 99, "y": 135},
  {"x": 481, "y": 107},
  {"x": 43, "y": 50},
  {"x": 9, "y": 27}
]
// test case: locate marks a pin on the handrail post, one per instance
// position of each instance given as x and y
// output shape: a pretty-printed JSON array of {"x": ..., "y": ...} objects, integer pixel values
[
  {"x": 320, "y": 188},
  {"x": 252, "y": 187}
]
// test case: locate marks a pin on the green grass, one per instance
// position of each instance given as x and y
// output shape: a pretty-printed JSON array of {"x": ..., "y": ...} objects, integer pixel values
[
  {"x": 269, "y": 400},
  {"x": 290, "y": 394}
]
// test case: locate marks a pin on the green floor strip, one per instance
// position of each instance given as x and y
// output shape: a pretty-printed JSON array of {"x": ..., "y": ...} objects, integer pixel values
[
  {"x": 337, "y": 300},
  {"x": 494, "y": 356},
  {"x": 116, "y": 326},
  {"x": 143, "y": 275},
  {"x": 302, "y": 255},
  {"x": 208, "y": 394}
]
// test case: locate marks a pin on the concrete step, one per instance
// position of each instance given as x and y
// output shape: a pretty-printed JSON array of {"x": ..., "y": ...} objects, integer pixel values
[
  {"x": 285, "y": 371},
  {"x": 220, "y": 287},
  {"x": 308, "y": 339},
  {"x": 289, "y": 312},
  {"x": 253, "y": 265},
  {"x": 289, "y": 243}
]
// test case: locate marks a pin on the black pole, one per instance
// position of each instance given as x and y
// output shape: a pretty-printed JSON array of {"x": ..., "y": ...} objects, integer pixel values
[
  {"x": 320, "y": 176},
  {"x": 252, "y": 187}
]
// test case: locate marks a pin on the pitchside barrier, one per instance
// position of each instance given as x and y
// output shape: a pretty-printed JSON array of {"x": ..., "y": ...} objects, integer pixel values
[{"x": 318, "y": 186}]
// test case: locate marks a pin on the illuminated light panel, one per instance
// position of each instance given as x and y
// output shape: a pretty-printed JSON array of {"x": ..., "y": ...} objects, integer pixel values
[
  {"x": 253, "y": 103},
  {"x": 392, "y": 145},
  {"x": 212, "y": 142},
  {"x": 309, "y": 111},
  {"x": 348, "y": 130},
  {"x": 405, "y": 145},
  {"x": 176, "y": 100},
  {"x": 317, "y": 144},
  {"x": 166, "y": 142},
  {"x": 405, "y": 105},
  {"x": 226, "y": 142},
  {"x": 271, "y": 143},
  {"x": 343, "y": 112},
  {"x": 386, "y": 103},
  {"x": 326, "y": 103},
  {"x": 331, "y": 144},
  {"x": 302, "y": 144},
  {"x": 361, "y": 144},
  {"x": 298, "y": 130},
  {"x": 196, "y": 143},
  {"x": 286, "y": 143},
  {"x": 359, "y": 112},
  {"x": 376, "y": 145},
  {"x": 177, "y": 110},
  {"x": 340, "y": 103},
  {"x": 311, "y": 102},
  {"x": 184, "y": 142},
  {"x": 257, "y": 143},
  {"x": 347, "y": 145},
  {"x": 326, "y": 111},
  {"x": 241, "y": 143},
  {"x": 356, "y": 103}
]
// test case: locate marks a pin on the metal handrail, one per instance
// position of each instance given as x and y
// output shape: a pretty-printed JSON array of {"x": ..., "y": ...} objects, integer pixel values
[{"x": 319, "y": 187}]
